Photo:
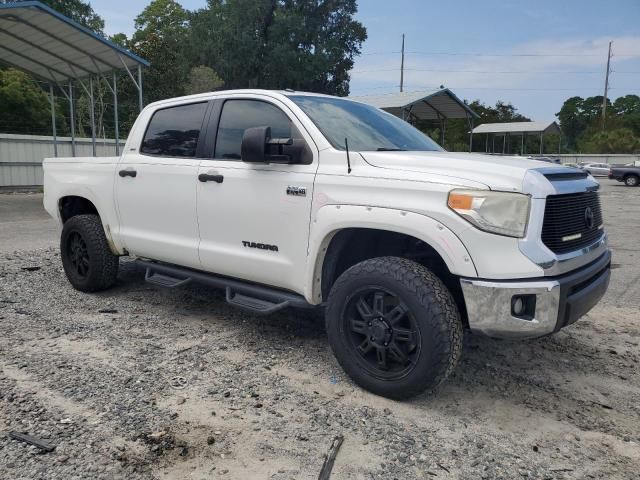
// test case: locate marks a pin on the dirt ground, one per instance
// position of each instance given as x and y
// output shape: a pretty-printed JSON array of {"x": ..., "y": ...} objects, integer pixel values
[{"x": 143, "y": 383}]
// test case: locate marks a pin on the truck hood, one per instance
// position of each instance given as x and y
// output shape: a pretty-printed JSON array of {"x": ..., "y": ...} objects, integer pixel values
[{"x": 495, "y": 172}]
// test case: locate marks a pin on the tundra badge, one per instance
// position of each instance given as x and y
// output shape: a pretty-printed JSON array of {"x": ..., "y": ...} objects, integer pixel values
[{"x": 297, "y": 191}]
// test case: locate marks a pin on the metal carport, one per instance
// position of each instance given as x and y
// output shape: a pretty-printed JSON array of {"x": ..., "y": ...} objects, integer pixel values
[
  {"x": 518, "y": 128},
  {"x": 40, "y": 41},
  {"x": 440, "y": 105}
]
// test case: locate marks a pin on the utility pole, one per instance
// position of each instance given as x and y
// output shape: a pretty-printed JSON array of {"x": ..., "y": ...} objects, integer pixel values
[
  {"x": 402, "y": 66},
  {"x": 606, "y": 87}
]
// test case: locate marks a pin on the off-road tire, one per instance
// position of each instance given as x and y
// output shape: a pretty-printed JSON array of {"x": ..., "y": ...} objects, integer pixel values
[
  {"x": 631, "y": 180},
  {"x": 102, "y": 264},
  {"x": 429, "y": 301}
]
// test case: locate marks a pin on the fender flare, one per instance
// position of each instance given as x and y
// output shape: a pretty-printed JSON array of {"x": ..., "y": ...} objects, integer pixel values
[
  {"x": 86, "y": 193},
  {"x": 330, "y": 219}
]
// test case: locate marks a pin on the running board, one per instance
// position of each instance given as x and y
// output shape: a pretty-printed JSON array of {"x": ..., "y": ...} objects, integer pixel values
[
  {"x": 258, "y": 299},
  {"x": 164, "y": 280},
  {"x": 255, "y": 305}
]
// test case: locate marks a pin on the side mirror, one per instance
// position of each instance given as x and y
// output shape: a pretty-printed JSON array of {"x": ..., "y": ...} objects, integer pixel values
[
  {"x": 258, "y": 147},
  {"x": 254, "y": 144}
]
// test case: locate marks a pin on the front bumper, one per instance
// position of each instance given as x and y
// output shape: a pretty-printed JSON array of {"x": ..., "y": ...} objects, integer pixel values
[{"x": 556, "y": 301}]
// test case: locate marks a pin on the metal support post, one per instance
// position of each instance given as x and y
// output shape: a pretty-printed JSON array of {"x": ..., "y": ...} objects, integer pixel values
[
  {"x": 140, "y": 87},
  {"x": 541, "y": 145},
  {"x": 522, "y": 146},
  {"x": 486, "y": 144},
  {"x": 72, "y": 121},
  {"x": 559, "y": 143},
  {"x": 115, "y": 113},
  {"x": 92, "y": 115},
  {"x": 53, "y": 121}
]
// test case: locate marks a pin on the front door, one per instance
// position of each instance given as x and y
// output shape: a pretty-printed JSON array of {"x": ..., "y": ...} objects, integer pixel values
[
  {"x": 254, "y": 218},
  {"x": 156, "y": 188}
]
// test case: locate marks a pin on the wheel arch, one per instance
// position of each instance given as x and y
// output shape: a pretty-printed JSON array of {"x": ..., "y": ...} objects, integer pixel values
[
  {"x": 349, "y": 237},
  {"x": 70, "y": 206}
]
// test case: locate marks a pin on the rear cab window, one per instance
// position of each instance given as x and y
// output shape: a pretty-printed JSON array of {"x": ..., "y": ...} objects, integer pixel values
[{"x": 174, "y": 131}]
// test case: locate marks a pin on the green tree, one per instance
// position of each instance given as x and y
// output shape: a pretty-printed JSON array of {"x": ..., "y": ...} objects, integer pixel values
[
  {"x": 299, "y": 44},
  {"x": 627, "y": 108},
  {"x": 25, "y": 106},
  {"x": 572, "y": 120},
  {"x": 203, "y": 79},
  {"x": 620, "y": 140},
  {"x": 584, "y": 130},
  {"x": 161, "y": 33},
  {"x": 77, "y": 10}
]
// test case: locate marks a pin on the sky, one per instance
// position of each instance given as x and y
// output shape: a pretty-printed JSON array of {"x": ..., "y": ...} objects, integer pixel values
[{"x": 533, "y": 54}]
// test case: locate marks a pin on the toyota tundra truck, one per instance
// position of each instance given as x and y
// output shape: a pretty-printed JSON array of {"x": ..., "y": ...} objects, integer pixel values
[{"x": 288, "y": 199}]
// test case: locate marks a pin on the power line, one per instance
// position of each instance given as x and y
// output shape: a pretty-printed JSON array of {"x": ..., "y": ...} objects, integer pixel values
[
  {"x": 542, "y": 72},
  {"x": 518, "y": 89},
  {"x": 472, "y": 54}
]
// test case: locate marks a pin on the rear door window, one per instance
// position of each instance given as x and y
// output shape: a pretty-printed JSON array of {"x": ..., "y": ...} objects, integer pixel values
[{"x": 174, "y": 131}]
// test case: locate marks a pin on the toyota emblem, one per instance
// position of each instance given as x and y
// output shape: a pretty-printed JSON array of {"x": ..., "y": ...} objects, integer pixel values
[{"x": 589, "y": 219}]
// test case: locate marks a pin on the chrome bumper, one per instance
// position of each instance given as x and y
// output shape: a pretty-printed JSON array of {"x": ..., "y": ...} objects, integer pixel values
[{"x": 559, "y": 301}]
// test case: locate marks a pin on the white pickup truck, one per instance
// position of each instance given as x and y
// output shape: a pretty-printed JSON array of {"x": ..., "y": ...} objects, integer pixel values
[{"x": 289, "y": 199}]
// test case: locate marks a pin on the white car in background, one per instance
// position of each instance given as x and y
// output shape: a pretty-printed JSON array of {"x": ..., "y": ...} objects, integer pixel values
[{"x": 597, "y": 169}]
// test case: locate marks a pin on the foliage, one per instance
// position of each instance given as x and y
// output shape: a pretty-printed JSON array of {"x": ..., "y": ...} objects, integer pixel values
[
  {"x": 299, "y": 44},
  {"x": 161, "y": 32},
  {"x": 620, "y": 140},
  {"x": 77, "y": 10},
  {"x": 584, "y": 130},
  {"x": 25, "y": 107},
  {"x": 203, "y": 79}
]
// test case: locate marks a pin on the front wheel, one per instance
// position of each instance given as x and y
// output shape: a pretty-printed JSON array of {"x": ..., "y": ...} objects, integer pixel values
[
  {"x": 631, "y": 181},
  {"x": 86, "y": 258},
  {"x": 394, "y": 327}
]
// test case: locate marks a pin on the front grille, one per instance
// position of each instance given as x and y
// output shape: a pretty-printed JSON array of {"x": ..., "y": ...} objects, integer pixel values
[{"x": 565, "y": 226}]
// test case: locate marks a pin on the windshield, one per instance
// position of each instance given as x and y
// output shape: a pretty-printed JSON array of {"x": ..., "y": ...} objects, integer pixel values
[{"x": 365, "y": 127}]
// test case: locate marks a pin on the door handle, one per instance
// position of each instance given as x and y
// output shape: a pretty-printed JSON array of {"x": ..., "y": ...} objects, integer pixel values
[
  {"x": 206, "y": 177},
  {"x": 128, "y": 173}
]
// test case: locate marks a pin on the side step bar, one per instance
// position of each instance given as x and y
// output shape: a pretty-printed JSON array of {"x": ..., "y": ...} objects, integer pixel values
[{"x": 257, "y": 299}]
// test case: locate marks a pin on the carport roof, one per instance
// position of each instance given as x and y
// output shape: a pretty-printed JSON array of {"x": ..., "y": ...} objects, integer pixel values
[
  {"x": 518, "y": 128},
  {"x": 424, "y": 105},
  {"x": 37, "y": 39}
]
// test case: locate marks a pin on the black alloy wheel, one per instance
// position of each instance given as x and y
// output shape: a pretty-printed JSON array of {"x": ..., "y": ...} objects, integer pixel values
[
  {"x": 86, "y": 257},
  {"x": 393, "y": 326},
  {"x": 383, "y": 332},
  {"x": 78, "y": 254}
]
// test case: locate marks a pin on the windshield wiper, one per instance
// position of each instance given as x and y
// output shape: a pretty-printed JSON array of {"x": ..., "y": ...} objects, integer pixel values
[{"x": 385, "y": 149}]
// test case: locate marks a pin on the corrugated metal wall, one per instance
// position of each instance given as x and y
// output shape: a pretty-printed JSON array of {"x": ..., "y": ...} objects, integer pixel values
[{"x": 21, "y": 156}]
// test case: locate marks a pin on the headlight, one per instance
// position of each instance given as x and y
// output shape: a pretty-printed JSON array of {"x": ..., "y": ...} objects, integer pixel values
[{"x": 496, "y": 212}]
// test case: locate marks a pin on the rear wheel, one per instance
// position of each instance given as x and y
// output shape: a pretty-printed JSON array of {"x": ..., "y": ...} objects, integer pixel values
[
  {"x": 631, "y": 181},
  {"x": 86, "y": 258},
  {"x": 394, "y": 327}
]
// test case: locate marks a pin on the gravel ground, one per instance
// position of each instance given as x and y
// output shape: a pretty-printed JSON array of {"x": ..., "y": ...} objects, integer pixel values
[{"x": 142, "y": 383}]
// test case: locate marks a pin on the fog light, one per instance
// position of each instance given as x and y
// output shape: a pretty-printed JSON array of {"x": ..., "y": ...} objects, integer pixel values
[
  {"x": 523, "y": 306},
  {"x": 518, "y": 306}
]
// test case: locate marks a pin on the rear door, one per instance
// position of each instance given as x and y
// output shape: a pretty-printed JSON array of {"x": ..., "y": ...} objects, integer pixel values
[
  {"x": 156, "y": 187},
  {"x": 254, "y": 218}
]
